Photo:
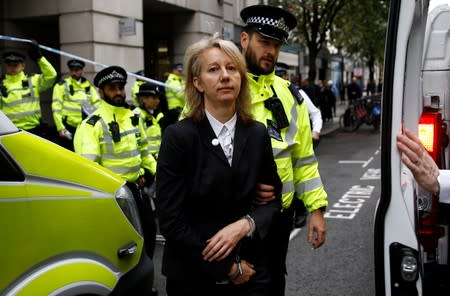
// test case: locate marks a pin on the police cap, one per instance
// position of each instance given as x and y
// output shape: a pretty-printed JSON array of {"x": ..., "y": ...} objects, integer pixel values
[
  {"x": 13, "y": 57},
  {"x": 270, "y": 21},
  {"x": 111, "y": 74},
  {"x": 178, "y": 66},
  {"x": 75, "y": 64},
  {"x": 148, "y": 89},
  {"x": 281, "y": 68}
]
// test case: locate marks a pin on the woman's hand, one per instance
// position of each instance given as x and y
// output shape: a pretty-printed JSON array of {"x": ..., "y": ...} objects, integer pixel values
[
  {"x": 225, "y": 240},
  {"x": 247, "y": 272},
  {"x": 420, "y": 163}
]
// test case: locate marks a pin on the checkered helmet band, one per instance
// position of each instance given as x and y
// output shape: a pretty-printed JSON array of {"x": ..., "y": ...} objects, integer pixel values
[{"x": 276, "y": 23}]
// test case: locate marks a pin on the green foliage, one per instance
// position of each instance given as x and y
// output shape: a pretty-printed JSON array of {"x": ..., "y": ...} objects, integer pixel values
[
  {"x": 357, "y": 27},
  {"x": 360, "y": 29}
]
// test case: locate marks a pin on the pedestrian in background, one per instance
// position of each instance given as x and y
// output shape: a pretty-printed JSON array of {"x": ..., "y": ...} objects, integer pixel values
[
  {"x": 175, "y": 93},
  {"x": 285, "y": 115},
  {"x": 70, "y": 96},
  {"x": 312, "y": 90},
  {"x": 371, "y": 87},
  {"x": 336, "y": 94},
  {"x": 354, "y": 91},
  {"x": 328, "y": 101},
  {"x": 20, "y": 93},
  {"x": 209, "y": 165}
]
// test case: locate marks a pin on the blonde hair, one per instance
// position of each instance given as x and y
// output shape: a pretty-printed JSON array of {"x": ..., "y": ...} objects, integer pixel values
[{"x": 195, "y": 105}]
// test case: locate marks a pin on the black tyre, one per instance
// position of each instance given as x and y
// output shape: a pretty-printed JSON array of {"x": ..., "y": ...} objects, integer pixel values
[{"x": 349, "y": 121}]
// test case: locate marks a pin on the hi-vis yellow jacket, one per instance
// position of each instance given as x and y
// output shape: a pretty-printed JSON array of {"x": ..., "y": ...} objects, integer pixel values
[
  {"x": 153, "y": 129},
  {"x": 175, "y": 99},
  {"x": 294, "y": 154},
  {"x": 127, "y": 157},
  {"x": 69, "y": 95},
  {"x": 20, "y": 98}
]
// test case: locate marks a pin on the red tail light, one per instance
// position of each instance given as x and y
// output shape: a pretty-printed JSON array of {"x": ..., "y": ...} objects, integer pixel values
[
  {"x": 428, "y": 228},
  {"x": 430, "y": 133}
]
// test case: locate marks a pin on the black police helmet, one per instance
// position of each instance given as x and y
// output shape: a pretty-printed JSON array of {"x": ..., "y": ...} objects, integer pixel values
[
  {"x": 270, "y": 21},
  {"x": 111, "y": 74},
  {"x": 13, "y": 57},
  {"x": 148, "y": 89}
]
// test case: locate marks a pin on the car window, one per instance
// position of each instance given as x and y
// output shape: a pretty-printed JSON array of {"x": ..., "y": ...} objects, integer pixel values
[{"x": 10, "y": 172}]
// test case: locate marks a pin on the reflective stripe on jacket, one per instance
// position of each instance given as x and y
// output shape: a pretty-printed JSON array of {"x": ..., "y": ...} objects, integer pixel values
[
  {"x": 294, "y": 154},
  {"x": 68, "y": 99},
  {"x": 22, "y": 104},
  {"x": 175, "y": 99},
  {"x": 129, "y": 156}
]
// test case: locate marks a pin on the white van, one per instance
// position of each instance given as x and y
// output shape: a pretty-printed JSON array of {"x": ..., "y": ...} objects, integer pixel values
[{"x": 411, "y": 227}]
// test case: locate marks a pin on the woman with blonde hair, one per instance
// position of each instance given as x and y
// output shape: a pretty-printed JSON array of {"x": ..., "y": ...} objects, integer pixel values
[{"x": 209, "y": 166}]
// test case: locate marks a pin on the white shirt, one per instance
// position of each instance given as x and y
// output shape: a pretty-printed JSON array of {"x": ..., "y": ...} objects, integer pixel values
[
  {"x": 314, "y": 113},
  {"x": 217, "y": 127},
  {"x": 444, "y": 186}
]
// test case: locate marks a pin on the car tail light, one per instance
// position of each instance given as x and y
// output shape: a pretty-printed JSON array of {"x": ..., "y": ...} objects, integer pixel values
[{"x": 430, "y": 134}]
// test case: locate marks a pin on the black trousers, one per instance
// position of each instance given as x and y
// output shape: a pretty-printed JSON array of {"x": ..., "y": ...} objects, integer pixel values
[{"x": 277, "y": 242}]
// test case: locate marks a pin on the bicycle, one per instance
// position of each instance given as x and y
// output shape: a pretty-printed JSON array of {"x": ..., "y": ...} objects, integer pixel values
[{"x": 364, "y": 110}]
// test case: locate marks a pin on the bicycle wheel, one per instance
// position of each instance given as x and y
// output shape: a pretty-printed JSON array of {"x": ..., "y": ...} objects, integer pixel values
[{"x": 349, "y": 121}]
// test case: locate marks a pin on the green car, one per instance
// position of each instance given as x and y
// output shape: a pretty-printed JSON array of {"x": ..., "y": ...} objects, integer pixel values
[{"x": 67, "y": 225}]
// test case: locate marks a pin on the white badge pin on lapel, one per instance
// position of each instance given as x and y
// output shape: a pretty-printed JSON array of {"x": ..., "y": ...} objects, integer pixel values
[{"x": 215, "y": 142}]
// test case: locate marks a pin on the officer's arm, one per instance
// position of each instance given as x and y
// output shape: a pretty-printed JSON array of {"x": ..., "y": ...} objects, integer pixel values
[
  {"x": 307, "y": 181},
  {"x": 57, "y": 98},
  {"x": 47, "y": 76}
]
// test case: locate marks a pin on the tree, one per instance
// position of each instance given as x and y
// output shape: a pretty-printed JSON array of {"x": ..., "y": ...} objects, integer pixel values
[
  {"x": 315, "y": 20},
  {"x": 360, "y": 30}
]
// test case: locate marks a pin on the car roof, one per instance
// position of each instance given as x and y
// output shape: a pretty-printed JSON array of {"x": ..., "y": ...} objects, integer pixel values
[{"x": 6, "y": 126}]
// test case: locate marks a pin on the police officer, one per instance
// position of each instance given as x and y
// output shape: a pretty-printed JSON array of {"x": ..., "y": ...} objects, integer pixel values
[
  {"x": 20, "y": 93},
  {"x": 148, "y": 98},
  {"x": 175, "y": 98},
  {"x": 113, "y": 135},
  {"x": 280, "y": 107},
  {"x": 70, "y": 96}
]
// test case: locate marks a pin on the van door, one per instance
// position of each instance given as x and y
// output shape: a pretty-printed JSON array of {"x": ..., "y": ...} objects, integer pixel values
[{"x": 411, "y": 241}]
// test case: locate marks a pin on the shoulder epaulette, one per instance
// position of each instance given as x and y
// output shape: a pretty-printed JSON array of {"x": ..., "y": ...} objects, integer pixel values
[
  {"x": 61, "y": 82},
  {"x": 93, "y": 119},
  {"x": 296, "y": 93}
]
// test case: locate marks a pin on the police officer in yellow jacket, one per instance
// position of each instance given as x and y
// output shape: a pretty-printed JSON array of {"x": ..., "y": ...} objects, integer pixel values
[
  {"x": 279, "y": 106},
  {"x": 70, "y": 96},
  {"x": 148, "y": 98},
  {"x": 20, "y": 93},
  {"x": 175, "y": 97},
  {"x": 113, "y": 135}
]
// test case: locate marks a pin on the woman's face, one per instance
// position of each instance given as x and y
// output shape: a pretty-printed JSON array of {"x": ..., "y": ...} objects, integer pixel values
[{"x": 219, "y": 79}]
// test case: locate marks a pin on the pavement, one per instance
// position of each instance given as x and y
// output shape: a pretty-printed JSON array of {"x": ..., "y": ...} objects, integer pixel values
[{"x": 333, "y": 125}]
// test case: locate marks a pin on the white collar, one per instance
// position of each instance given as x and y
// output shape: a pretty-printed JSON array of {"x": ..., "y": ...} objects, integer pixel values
[{"x": 217, "y": 125}]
